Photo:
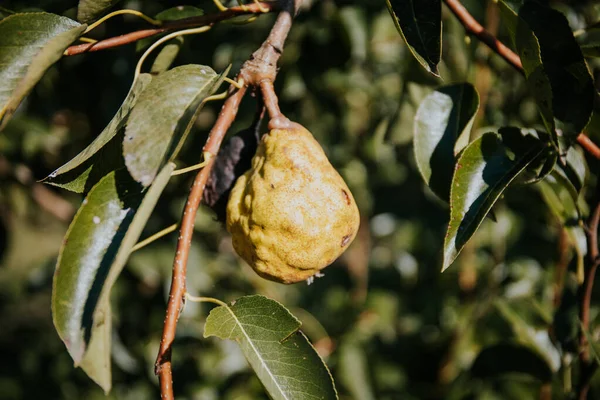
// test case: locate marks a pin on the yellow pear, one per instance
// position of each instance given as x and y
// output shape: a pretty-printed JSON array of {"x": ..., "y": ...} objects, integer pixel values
[{"x": 291, "y": 214}]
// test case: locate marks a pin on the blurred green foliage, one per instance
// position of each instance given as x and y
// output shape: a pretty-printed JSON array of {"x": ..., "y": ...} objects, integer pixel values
[{"x": 388, "y": 322}]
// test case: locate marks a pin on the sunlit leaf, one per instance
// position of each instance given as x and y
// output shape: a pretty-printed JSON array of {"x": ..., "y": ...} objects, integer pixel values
[
  {"x": 163, "y": 116},
  {"x": 420, "y": 24},
  {"x": 483, "y": 171},
  {"x": 554, "y": 66},
  {"x": 94, "y": 252},
  {"x": 29, "y": 44},
  {"x": 285, "y": 362},
  {"x": 442, "y": 118},
  {"x": 104, "y": 153},
  {"x": 89, "y": 10}
]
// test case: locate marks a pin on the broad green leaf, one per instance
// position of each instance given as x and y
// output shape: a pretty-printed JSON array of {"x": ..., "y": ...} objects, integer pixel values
[
  {"x": 420, "y": 24},
  {"x": 483, "y": 171},
  {"x": 104, "y": 153},
  {"x": 29, "y": 44},
  {"x": 282, "y": 357},
  {"x": 163, "y": 116},
  {"x": 167, "y": 55},
  {"x": 554, "y": 66},
  {"x": 90, "y": 10},
  {"x": 95, "y": 250},
  {"x": 179, "y": 12},
  {"x": 443, "y": 117},
  {"x": 510, "y": 358}
]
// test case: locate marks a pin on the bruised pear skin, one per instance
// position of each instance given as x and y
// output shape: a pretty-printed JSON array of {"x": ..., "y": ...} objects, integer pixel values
[{"x": 291, "y": 214}]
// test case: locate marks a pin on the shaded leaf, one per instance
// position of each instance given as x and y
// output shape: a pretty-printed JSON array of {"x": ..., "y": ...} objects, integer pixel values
[
  {"x": 285, "y": 362},
  {"x": 179, "y": 12},
  {"x": 355, "y": 28},
  {"x": 167, "y": 55},
  {"x": 94, "y": 251},
  {"x": 30, "y": 43},
  {"x": 504, "y": 358},
  {"x": 566, "y": 323},
  {"x": 562, "y": 198},
  {"x": 420, "y": 24},
  {"x": 89, "y": 10},
  {"x": 354, "y": 370},
  {"x": 163, "y": 116},
  {"x": 554, "y": 66},
  {"x": 483, "y": 171},
  {"x": 576, "y": 167},
  {"x": 104, "y": 154},
  {"x": 443, "y": 117},
  {"x": 527, "y": 332}
]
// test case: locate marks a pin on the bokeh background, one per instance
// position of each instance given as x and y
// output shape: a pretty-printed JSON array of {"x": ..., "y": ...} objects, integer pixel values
[{"x": 388, "y": 323}]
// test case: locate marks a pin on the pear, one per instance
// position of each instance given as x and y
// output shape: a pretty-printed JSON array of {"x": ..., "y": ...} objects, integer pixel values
[{"x": 291, "y": 214}]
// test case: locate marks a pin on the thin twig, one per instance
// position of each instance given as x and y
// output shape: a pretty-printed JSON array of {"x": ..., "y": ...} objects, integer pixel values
[
  {"x": 474, "y": 28},
  {"x": 168, "y": 26}
]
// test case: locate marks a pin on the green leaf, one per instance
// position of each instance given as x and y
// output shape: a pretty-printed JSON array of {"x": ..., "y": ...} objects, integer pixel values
[
  {"x": 483, "y": 171},
  {"x": 420, "y": 24},
  {"x": 94, "y": 252},
  {"x": 30, "y": 43},
  {"x": 90, "y": 10},
  {"x": 443, "y": 117},
  {"x": 562, "y": 198},
  {"x": 167, "y": 55},
  {"x": 282, "y": 357},
  {"x": 504, "y": 358},
  {"x": 163, "y": 116},
  {"x": 354, "y": 370},
  {"x": 104, "y": 154},
  {"x": 554, "y": 66},
  {"x": 179, "y": 12}
]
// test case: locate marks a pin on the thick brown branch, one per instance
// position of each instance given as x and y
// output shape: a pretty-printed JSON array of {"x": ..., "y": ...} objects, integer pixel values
[
  {"x": 253, "y": 72},
  {"x": 169, "y": 26},
  {"x": 475, "y": 29}
]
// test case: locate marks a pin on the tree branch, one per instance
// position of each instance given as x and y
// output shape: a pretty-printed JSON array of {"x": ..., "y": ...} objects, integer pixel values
[
  {"x": 169, "y": 26},
  {"x": 588, "y": 367},
  {"x": 261, "y": 67},
  {"x": 474, "y": 28}
]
